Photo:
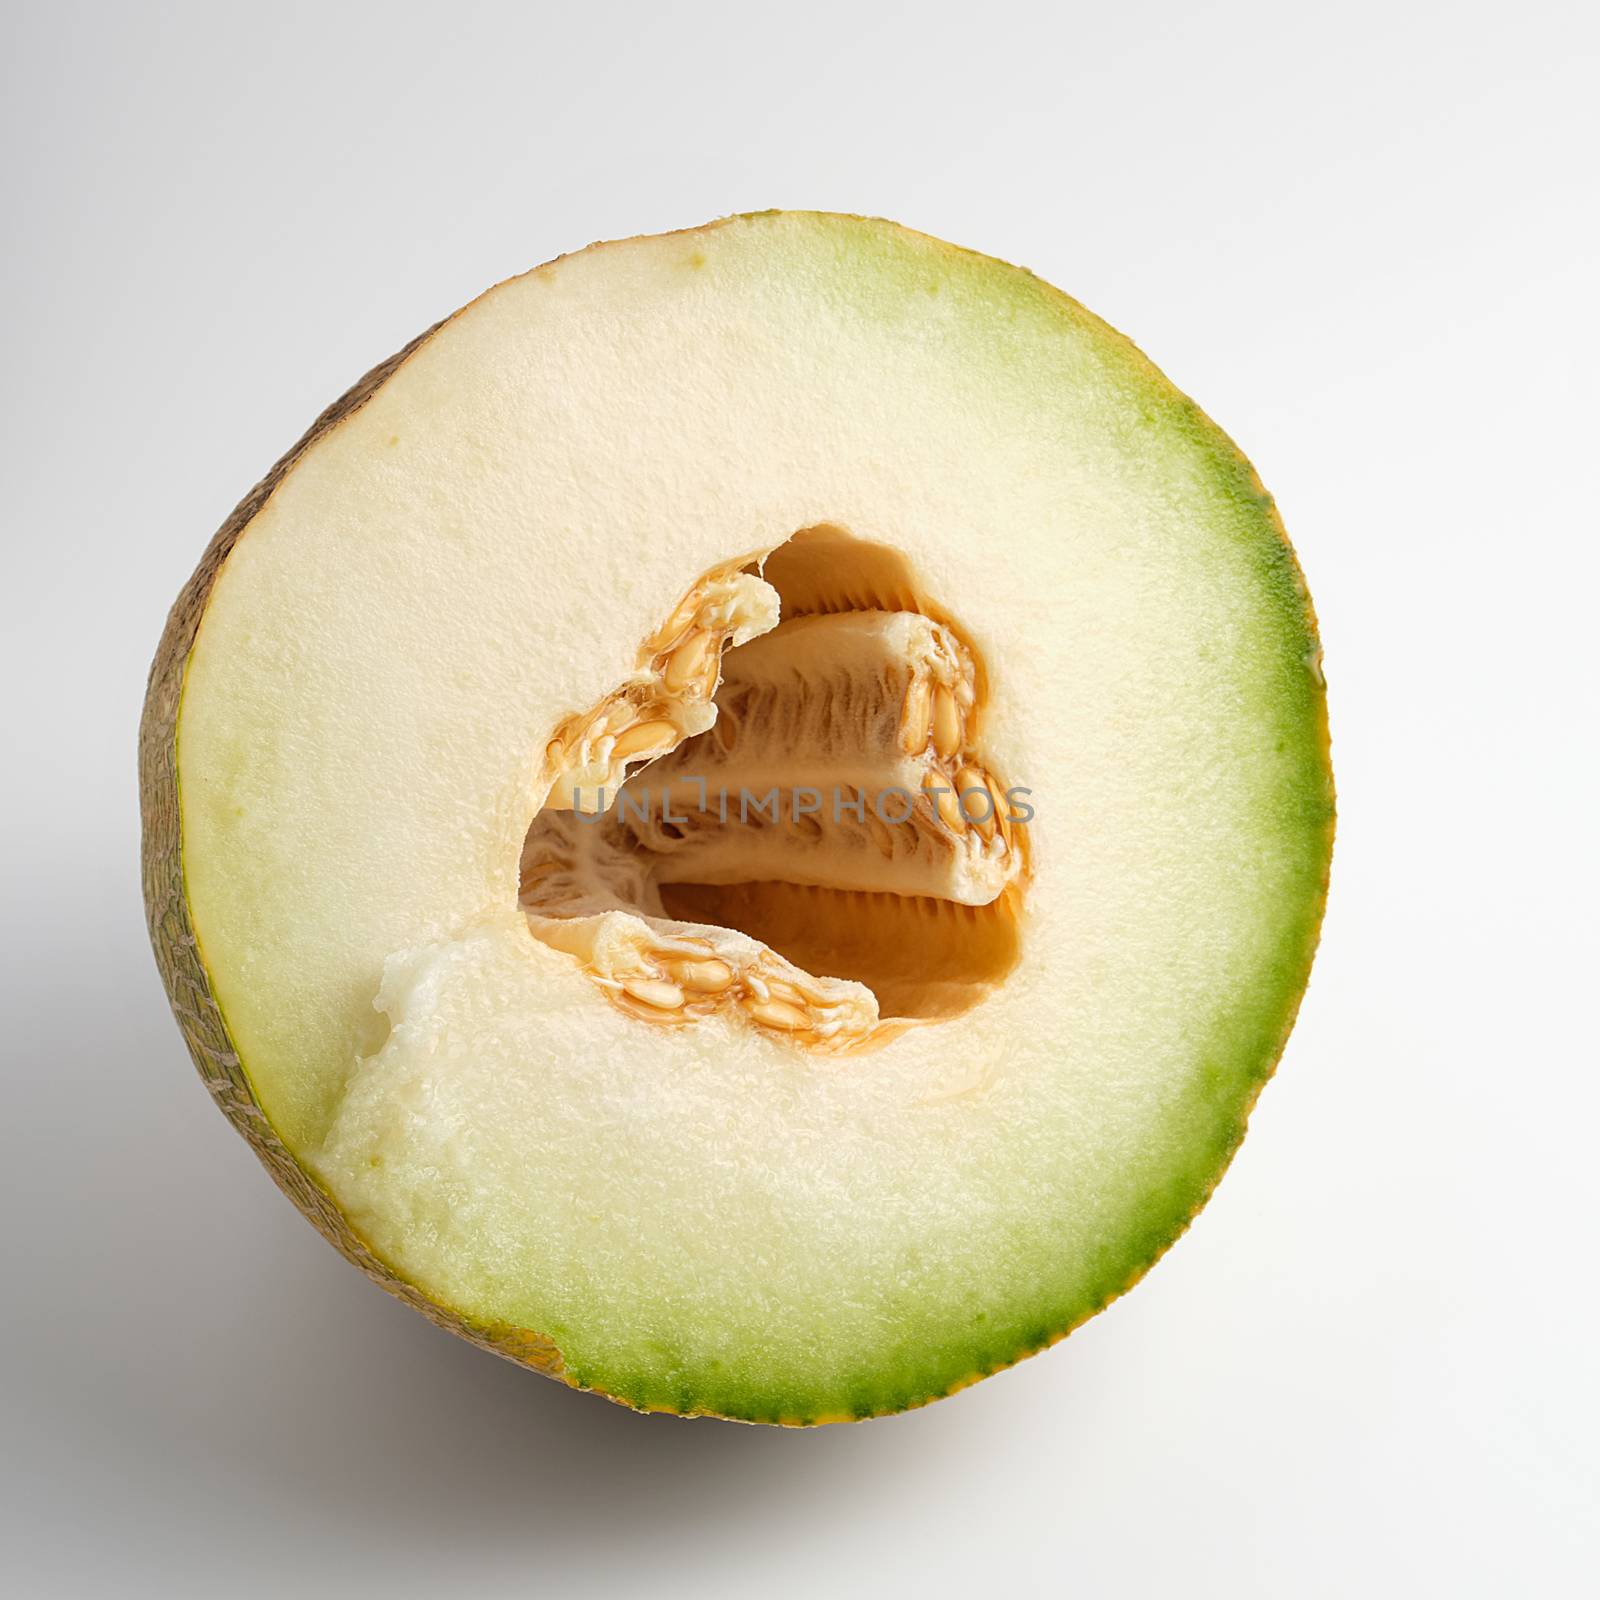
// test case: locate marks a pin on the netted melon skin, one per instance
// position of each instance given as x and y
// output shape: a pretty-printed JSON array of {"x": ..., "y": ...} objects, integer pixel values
[
  {"x": 190, "y": 992},
  {"x": 172, "y": 936}
]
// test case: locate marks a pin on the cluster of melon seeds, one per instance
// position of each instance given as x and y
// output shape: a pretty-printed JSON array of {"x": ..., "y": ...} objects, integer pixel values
[
  {"x": 842, "y": 756},
  {"x": 664, "y": 971},
  {"x": 770, "y": 812},
  {"x": 669, "y": 697}
]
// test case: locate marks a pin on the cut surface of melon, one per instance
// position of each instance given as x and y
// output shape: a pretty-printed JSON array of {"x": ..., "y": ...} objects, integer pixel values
[{"x": 817, "y": 1112}]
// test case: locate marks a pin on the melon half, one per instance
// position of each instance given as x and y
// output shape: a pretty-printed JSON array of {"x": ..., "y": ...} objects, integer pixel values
[{"x": 742, "y": 822}]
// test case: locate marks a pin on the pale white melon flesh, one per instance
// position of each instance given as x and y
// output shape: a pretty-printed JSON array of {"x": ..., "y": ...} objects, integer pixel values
[{"x": 699, "y": 1211}]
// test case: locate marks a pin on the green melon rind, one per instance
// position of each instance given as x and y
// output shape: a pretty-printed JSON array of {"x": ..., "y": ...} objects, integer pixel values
[{"x": 1242, "y": 1060}]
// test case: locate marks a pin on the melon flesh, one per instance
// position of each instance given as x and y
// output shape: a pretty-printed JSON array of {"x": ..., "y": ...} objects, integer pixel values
[{"x": 709, "y": 1215}]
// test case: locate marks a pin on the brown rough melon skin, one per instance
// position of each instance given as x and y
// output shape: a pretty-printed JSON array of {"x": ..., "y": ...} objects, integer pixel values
[{"x": 172, "y": 935}]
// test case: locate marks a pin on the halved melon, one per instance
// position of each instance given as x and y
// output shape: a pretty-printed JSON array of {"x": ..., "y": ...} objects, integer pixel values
[{"x": 743, "y": 821}]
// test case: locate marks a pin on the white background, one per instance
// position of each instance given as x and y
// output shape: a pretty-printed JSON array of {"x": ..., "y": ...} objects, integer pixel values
[{"x": 1364, "y": 238}]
